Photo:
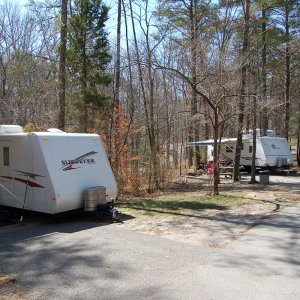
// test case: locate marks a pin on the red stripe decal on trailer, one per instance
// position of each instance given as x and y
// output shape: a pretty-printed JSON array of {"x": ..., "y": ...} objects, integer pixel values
[{"x": 30, "y": 183}]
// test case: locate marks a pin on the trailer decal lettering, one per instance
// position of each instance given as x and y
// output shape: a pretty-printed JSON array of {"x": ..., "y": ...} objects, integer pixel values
[{"x": 73, "y": 164}]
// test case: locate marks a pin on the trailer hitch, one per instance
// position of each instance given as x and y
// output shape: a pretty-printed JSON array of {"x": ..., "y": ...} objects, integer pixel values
[{"x": 108, "y": 210}]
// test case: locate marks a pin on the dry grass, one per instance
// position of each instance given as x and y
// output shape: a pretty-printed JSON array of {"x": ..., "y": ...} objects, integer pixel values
[
  {"x": 10, "y": 289},
  {"x": 7, "y": 279}
]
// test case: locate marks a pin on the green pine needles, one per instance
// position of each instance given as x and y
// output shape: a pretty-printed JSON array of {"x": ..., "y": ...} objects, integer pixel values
[{"x": 88, "y": 55}]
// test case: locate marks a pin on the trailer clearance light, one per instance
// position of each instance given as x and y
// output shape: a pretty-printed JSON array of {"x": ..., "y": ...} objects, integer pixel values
[{"x": 45, "y": 139}]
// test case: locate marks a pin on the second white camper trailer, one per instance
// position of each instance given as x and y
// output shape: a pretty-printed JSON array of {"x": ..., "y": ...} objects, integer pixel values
[
  {"x": 271, "y": 151},
  {"x": 51, "y": 170}
]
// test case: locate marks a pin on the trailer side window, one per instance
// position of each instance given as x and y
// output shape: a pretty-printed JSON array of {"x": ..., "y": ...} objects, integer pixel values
[
  {"x": 250, "y": 149},
  {"x": 229, "y": 149},
  {"x": 6, "y": 156}
]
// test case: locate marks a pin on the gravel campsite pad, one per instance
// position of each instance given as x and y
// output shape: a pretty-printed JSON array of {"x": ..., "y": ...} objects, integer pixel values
[{"x": 214, "y": 227}]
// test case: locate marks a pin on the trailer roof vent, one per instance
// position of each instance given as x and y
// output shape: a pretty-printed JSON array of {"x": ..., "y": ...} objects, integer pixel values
[
  {"x": 10, "y": 129},
  {"x": 55, "y": 130},
  {"x": 271, "y": 133}
]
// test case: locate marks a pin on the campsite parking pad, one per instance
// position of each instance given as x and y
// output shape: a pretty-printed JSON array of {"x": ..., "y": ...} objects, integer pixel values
[{"x": 85, "y": 259}]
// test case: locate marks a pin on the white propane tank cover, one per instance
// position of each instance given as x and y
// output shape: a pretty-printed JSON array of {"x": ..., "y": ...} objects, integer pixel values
[
  {"x": 257, "y": 132},
  {"x": 10, "y": 129}
]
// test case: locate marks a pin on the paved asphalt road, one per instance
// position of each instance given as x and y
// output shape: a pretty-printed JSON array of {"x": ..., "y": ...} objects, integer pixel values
[{"x": 89, "y": 260}]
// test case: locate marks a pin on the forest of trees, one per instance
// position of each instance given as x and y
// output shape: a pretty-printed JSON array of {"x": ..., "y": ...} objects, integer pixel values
[{"x": 150, "y": 76}]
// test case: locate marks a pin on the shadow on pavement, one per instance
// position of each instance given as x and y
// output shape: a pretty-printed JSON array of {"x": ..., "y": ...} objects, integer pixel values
[{"x": 272, "y": 248}]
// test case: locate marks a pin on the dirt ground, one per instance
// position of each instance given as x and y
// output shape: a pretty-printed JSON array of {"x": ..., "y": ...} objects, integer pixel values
[{"x": 213, "y": 227}]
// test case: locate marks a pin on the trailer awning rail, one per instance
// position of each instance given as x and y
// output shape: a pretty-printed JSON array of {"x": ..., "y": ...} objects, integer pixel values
[{"x": 209, "y": 142}]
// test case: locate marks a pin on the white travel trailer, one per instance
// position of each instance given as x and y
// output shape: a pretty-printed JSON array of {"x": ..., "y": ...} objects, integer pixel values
[
  {"x": 271, "y": 151},
  {"x": 51, "y": 170}
]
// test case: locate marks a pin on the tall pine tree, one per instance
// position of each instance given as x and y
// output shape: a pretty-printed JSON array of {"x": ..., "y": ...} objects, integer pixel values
[{"x": 88, "y": 54}]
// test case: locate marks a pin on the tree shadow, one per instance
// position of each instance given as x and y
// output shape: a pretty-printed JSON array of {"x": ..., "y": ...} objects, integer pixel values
[
  {"x": 220, "y": 215},
  {"x": 271, "y": 249},
  {"x": 71, "y": 260},
  {"x": 70, "y": 222}
]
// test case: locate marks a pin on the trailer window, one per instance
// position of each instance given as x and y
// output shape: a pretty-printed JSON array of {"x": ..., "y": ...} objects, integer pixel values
[
  {"x": 250, "y": 149},
  {"x": 6, "y": 156},
  {"x": 229, "y": 149}
]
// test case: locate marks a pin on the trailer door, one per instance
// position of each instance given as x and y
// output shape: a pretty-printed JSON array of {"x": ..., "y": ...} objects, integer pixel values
[{"x": 6, "y": 177}]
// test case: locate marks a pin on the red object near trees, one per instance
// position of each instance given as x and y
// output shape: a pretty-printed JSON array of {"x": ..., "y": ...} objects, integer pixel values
[{"x": 210, "y": 167}]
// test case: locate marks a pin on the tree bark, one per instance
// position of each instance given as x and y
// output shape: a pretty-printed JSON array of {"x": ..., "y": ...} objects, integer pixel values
[
  {"x": 84, "y": 87},
  {"x": 216, "y": 152},
  {"x": 298, "y": 147},
  {"x": 148, "y": 105},
  {"x": 62, "y": 65},
  {"x": 287, "y": 74},
  {"x": 245, "y": 51},
  {"x": 264, "y": 117},
  {"x": 253, "y": 167},
  {"x": 117, "y": 141},
  {"x": 194, "y": 129}
]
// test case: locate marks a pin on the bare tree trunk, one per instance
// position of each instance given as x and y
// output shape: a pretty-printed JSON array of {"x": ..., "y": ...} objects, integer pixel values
[
  {"x": 151, "y": 129},
  {"x": 3, "y": 87},
  {"x": 264, "y": 117},
  {"x": 190, "y": 150},
  {"x": 116, "y": 128},
  {"x": 152, "y": 138},
  {"x": 253, "y": 168},
  {"x": 216, "y": 152},
  {"x": 62, "y": 65},
  {"x": 193, "y": 105},
  {"x": 193, "y": 126},
  {"x": 84, "y": 87},
  {"x": 4, "y": 79},
  {"x": 242, "y": 91},
  {"x": 298, "y": 147},
  {"x": 287, "y": 74},
  {"x": 148, "y": 105},
  {"x": 131, "y": 94}
]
